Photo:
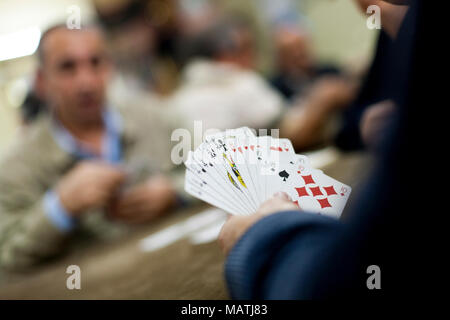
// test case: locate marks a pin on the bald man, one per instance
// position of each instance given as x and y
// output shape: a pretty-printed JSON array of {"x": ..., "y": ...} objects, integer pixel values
[{"x": 85, "y": 168}]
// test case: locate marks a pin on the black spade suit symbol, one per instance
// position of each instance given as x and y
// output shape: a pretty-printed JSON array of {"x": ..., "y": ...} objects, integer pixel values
[{"x": 283, "y": 174}]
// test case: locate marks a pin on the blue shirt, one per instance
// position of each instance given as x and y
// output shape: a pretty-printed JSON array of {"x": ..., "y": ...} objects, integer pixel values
[{"x": 111, "y": 153}]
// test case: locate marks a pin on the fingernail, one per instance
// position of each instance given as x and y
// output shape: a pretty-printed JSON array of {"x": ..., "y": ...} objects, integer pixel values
[{"x": 282, "y": 195}]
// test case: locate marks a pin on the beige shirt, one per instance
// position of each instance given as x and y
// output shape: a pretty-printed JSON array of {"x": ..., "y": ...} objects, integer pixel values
[{"x": 224, "y": 96}]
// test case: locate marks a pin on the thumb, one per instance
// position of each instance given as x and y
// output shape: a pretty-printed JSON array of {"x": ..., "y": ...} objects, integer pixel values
[{"x": 282, "y": 195}]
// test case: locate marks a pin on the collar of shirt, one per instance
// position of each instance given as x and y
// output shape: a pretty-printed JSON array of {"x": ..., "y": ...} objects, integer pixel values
[{"x": 111, "y": 145}]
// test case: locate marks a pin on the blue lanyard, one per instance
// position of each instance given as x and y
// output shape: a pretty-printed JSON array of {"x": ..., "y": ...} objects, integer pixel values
[{"x": 112, "y": 148}]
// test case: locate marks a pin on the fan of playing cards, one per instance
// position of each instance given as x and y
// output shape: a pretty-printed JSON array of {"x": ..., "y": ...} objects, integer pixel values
[{"x": 237, "y": 171}]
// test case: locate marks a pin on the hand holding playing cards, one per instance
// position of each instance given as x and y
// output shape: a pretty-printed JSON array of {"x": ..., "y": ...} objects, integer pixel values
[
  {"x": 238, "y": 171},
  {"x": 144, "y": 202},
  {"x": 90, "y": 184},
  {"x": 236, "y": 226}
]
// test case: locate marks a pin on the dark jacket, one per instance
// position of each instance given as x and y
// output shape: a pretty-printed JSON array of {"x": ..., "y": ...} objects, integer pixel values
[{"x": 297, "y": 255}]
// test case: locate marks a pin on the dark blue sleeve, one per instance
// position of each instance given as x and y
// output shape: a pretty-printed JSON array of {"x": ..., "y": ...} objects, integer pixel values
[{"x": 274, "y": 257}]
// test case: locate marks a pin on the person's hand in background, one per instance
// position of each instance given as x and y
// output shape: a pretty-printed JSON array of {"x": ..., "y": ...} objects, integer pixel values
[
  {"x": 236, "y": 226},
  {"x": 144, "y": 202},
  {"x": 332, "y": 92},
  {"x": 375, "y": 121},
  {"x": 89, "y": 185},
  {"x": 305, "y": 124}
]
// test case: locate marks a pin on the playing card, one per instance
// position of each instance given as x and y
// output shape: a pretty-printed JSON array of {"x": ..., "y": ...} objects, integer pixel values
[
  {"x": 224, "y": 175},
  {"x": 237, "y": 174},
  {"x": 313, "y": 191},
  {"x": 199, "y": 189},
  {"x": 272, "y": 153},
  {"x": 217, "y": 175},
  {"x": 286, "y": 170},
  {"x": 238, "y": 151}
]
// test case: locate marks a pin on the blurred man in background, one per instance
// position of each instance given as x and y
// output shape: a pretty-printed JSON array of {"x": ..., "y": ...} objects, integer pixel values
[
  {"x": 296, "y": 69},
  {"x": 220, "y": 86},
  {"x": 86, "y": 169},
  {"x": 323, "y": 94},
  {"x": 142, "y": 35},
  {"x": 317, "y": 94}
]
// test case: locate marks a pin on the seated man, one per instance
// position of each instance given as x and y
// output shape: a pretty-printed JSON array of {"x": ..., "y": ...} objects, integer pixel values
[
  {"x": 84, "y": 168},
  {"x": 296, "y": 69},
  {"x": 317, "y": 93},
  {"x": 309, "y": 123}
]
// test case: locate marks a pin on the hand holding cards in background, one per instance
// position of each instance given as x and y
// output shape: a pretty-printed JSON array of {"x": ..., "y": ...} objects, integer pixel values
[
  {"x": 144, "y": 202},
  {"x": 89, "y": 185}
]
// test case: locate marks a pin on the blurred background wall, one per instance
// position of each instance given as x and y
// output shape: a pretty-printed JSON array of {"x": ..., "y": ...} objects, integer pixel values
[{"x": 337, "y": 29}]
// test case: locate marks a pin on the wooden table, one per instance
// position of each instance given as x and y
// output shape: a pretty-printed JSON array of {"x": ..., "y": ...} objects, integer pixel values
[{"x": 120, "y": 270}]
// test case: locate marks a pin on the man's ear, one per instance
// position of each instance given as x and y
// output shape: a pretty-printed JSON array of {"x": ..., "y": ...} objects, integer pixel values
[
  {"x": 110, "y": 69},
  {"x": 39, "y": 84}
]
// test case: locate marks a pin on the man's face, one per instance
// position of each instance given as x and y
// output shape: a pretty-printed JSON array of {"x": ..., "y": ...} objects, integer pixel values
[
  {"x": 242, "y": 54},
  {"x": 293, "y": 51},
  {"x": 75, "y": 73}
]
